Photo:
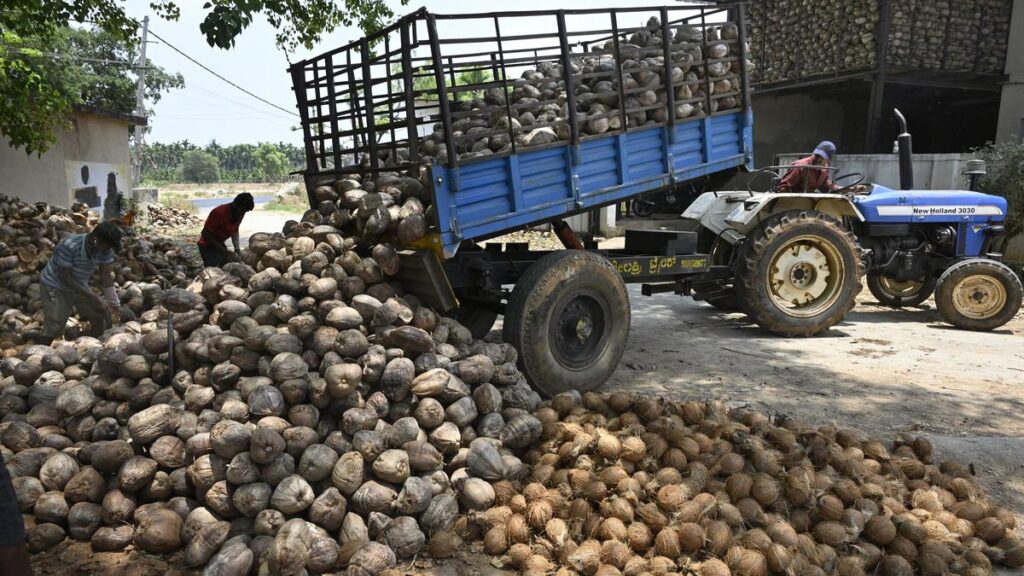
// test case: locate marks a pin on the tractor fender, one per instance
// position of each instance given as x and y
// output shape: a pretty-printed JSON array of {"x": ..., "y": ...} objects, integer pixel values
[
  {"x": 711, "y": 209},
  {"x": 751, "y": 212}
]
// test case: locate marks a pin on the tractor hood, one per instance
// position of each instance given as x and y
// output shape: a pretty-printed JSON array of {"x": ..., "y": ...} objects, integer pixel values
[{"x": 887, "y": 205}]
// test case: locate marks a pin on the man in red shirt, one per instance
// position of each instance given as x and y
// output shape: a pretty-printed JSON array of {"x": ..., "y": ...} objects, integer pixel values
[
  {"x": 221, "y": 224},
  {"x": 810, "y": 179}
]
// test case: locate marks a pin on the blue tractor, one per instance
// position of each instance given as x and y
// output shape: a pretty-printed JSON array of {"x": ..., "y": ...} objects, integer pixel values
[{"x": 796, "y": 259}]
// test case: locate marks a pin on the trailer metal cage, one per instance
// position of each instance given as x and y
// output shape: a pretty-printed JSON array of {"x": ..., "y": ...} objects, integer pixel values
[{"x": 368, "y": 105}]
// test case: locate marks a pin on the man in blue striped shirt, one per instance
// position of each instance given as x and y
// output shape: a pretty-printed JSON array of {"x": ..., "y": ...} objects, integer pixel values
[{"x": 64, "y": 283}]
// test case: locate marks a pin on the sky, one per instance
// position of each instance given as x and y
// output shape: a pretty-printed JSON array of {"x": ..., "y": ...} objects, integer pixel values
[{"x": 209, "y": 109}]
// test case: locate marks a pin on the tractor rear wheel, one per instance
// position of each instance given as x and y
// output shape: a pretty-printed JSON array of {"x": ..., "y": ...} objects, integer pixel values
[
  {"x": 891, "y": 292},
  {"x": 978, "y": 294},
  {"x": 568, "y": 316},
  {"x": 799, "y": 273}
]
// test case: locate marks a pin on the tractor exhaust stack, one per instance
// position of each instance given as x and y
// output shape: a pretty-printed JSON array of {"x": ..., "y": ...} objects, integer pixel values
[{"x": 906, "y": 153}]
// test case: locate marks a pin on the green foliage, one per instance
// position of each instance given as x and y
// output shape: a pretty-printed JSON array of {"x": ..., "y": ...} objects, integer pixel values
[
  {"x": 1006, "y": 178},
  {"x": 200, "y": 166},
  {"x": 40, "y": 92},
  {"x": 272, "y": 163},
  {"x": 472, "y": 78},
  {"x": 238, "y": 163},
  {"x": 43, "y": 19},
  {"x": 31, "y": 110},
  {"x": 425, "y": 83},
  {"x": 298, "y": 22},
  {"x": 95, "y": 68},
  {"x": 47, "y": 74}
]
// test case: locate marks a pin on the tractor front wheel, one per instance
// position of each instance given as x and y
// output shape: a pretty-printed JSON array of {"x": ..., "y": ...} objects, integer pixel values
[
  {"x": 799, "y": 273},
  {"x": 978, "y": 294},
  {"x": 891, "y": 292}
]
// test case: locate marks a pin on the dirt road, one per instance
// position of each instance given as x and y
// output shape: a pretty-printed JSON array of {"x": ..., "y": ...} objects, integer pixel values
[{"x": 883, "y": 371}]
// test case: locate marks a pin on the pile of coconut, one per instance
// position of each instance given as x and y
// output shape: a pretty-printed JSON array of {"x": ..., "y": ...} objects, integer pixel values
[
  {"x": 315, "y": 419},
  {"x": 30, "y": 232},
  {"x": 620, "y": 485},
  {"x": 299, "y": 413}
]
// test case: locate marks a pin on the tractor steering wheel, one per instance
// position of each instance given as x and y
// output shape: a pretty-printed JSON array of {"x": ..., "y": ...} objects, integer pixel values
[{"x": 846, "y": 188}]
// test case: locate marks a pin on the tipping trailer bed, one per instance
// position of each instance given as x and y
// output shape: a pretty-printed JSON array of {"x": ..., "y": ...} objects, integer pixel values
[{"x": 441, "y": 97}]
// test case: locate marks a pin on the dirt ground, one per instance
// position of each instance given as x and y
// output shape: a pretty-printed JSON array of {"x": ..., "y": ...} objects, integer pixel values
[{"x": 882, "y": 371}]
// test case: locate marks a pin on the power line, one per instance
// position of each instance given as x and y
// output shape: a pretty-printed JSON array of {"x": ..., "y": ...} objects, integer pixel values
[
  {"x": 220, "y": 96},
  {"x": 189, "y": 94},
  {"x": 201, "y": 65},
  {"x": 57, "y": 56}
]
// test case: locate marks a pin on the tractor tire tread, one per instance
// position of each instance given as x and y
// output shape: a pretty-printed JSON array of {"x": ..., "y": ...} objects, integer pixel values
[{"x": 754, "y": 250}]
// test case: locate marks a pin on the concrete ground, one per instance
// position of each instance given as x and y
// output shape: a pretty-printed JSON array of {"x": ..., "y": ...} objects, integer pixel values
[{"x": 882, "y": 371}]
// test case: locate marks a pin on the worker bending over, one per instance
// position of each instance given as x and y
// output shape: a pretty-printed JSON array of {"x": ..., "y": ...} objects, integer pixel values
[
  {"x": 64, "y": 283},
  {"x": 221, "y": 224}
]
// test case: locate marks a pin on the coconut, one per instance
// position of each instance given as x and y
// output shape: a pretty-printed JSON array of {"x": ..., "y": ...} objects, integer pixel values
[
  {"x": 159, "y": 532},
  {"x": 667, "y": 543},
  {"x": 743, "y": 562},
  {"x": 496, "y": 541},
  {"x": 714, "y": 567},
  {"x": 292, "y": 495},
  {"x": 444, "y": 544},
  {"x": 880, "y": 530},
  {"x": 477, "y": 494},
  {"x": 290, "y": 551},
  {"x": 895, "y": 565},
  {"x": 990, "y": 529}
]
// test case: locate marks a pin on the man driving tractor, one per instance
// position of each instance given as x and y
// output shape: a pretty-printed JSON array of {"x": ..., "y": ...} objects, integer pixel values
[{"x": 811, "y": 180}]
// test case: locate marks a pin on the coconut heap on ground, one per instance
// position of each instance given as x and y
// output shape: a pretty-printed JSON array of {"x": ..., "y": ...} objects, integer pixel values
[
  {"x": 30, "y": 232},
  {"x": 318, "y": 419}
]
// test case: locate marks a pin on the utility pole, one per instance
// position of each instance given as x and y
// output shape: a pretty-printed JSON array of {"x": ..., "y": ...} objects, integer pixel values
[{"x": 140, "y": 106}]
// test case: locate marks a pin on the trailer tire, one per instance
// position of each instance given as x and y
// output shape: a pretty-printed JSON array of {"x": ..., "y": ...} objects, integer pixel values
[
  {"x": 568, "y": 316},
  {"x": 891, "y": 292},
  {"x": 978, "y": 294},
  {"x": 772, "y": 273}
]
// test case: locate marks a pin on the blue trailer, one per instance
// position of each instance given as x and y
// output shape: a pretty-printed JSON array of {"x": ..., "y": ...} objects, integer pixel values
[{"x": 567, "y": 111}]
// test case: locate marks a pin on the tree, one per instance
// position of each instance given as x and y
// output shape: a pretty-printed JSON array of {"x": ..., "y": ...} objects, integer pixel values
[
  {"x": 31, "y": 109},
  {"x": 1005, "y": 177},
  {"x": 72, "y": 66},
  {"x": 34, "y": 108},
  {"x": 272, "y": 163},
  {"x": 199, "y": 166}
]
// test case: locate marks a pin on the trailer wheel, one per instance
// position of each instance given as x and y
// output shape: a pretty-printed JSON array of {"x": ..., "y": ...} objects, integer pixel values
[
  {"x": 978, "y": 294},
  {"x": 568, "y": 316},
  {"x": 799, "y": 273},
  {"x": 891, "y": 292}
]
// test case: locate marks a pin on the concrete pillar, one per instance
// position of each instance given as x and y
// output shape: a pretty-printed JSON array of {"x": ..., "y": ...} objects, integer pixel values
[
  {"x": 606, "y": 226},
  {"x": 1011, "y": 106}
]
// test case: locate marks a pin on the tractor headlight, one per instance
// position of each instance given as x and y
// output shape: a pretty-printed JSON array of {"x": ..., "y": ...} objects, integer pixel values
[{"x": 943, "y": 235}]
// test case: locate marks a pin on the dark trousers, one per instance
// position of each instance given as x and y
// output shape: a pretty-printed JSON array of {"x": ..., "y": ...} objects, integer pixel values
[
  {"x": 59, "y": 305},
  {"x": 212, "y": 258},
  {"x": 12, "y": 529}
]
